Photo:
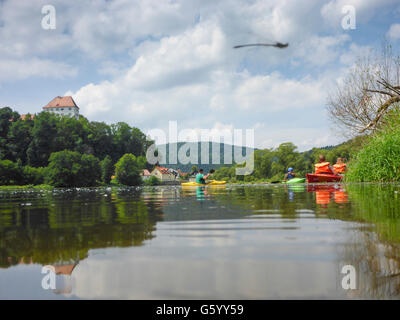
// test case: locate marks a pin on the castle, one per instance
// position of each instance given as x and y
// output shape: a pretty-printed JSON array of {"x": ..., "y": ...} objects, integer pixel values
[{"x": 63, "y": 105}]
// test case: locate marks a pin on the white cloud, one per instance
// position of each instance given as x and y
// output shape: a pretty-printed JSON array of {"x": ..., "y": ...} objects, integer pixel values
[
  {"x": 173, "y": 60},
  {"x": 187, "y": 80},
  {"x": 365, "y": 10},
  {"x": 12, "y": 69},
  {"x": 394, "y": 31}
]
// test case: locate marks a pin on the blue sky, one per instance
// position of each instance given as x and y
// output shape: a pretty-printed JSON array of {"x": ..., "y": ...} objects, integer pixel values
[{"x": 150, "y": 61}]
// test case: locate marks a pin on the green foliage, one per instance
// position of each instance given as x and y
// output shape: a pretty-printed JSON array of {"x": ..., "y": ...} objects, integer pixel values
[
  {"x": 19, "y": 138},
  {"x": 127, "y": 170},
  {"x": 33, "y": 141},
  {"x": 10, "y": 173},
  {"x": 107, "y": 169},
  {"x": 34, "y": 176},
  {"x": 152, "y": 181},
  {"x": 379, "y": 159},
  {"x": 71, "y": 169},
  {"x": 272, "y": 164}
]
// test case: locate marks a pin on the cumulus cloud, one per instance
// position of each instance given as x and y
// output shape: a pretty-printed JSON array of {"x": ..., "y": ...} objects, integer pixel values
[
  {"x": 394, "y": 31},
  {"x": 160, "y": 60}
]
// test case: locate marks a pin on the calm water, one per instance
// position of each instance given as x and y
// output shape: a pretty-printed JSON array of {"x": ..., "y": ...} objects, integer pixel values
[{"x": 260, "y": 242}]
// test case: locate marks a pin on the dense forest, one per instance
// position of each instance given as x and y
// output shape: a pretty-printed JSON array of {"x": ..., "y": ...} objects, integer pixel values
[{"x": 65, "y": 151}]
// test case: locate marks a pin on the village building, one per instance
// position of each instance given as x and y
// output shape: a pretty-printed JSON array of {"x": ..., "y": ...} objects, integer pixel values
[
  {"x": 145, "y": 174},
  {"x": 164, "y": 174},
  {"x": 65, "y": 106}
]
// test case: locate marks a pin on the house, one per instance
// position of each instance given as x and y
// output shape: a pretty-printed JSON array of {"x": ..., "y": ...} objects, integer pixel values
[
  {"x": 164, "y": 174},
  {"x": 64, "y": 106},
  {"x": 145, "y": 174}
]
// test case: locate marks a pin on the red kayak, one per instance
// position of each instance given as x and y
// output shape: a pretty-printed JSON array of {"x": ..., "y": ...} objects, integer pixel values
[{"x": 321, "y": 177}]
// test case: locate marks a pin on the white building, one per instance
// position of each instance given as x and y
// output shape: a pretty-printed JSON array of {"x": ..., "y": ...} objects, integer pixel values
[{"x": 65, "y": 106}]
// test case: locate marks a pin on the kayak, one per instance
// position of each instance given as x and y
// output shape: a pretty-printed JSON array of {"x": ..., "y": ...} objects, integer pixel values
[
  {"x": 314, "y": 177},
  {"x": 295, "y": 180},
  {"x": 211, "y": 183}
]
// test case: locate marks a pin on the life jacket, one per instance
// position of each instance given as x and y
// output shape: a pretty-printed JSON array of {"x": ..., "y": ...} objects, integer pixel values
[
  {"x": 323, "y": 167},
  {"x": 290, "y": 176},
  {"x": 340, "y": 167}
]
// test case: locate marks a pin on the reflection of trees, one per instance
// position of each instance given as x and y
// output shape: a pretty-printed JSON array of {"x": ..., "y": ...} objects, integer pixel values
[
  {"x": 375, "y": 251},
  {"x": 268, "y": 199},
  {"x": 377, "y": 204},
  {"x": 61, "y": 229},
  {"x": 377, "y": 263}
]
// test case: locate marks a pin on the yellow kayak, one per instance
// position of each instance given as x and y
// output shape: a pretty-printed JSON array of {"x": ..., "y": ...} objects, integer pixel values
[{"x": 211, "y": 183}]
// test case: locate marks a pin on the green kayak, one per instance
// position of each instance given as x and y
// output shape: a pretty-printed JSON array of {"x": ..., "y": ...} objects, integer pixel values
[{"x": 295, "y": 180}]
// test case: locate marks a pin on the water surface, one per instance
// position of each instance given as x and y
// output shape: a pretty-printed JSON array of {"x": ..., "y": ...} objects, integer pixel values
[{"x": 222, "y": 242}]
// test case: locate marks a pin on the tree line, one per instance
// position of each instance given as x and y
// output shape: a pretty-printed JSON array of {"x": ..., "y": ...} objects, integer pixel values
[
  {"x": 271, "y": 164},
  {"x": 65, "y": 151}
]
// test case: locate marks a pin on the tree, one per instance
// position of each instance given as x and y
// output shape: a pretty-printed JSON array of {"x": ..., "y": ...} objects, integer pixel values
[
  {"x": 127, "y": 170},
  {"x": 10, "y": 173},
  {"x": 7, "y": 118},
  {"x": 367, "y": 93},
  {"x": 107, "y": 169},
  {"x": 19, "y": 138},
  {"x": 43, "y": 142},
  {"x": 71, "y": 169},
  {"x": 100, "y": 139}
]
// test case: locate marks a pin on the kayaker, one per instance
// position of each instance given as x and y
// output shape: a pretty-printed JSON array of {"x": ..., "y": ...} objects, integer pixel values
[
  {"x": 340, "y": 166},
  {"x": 289, "y": 175},
  {"x": 201, "y": 178},
  {"x": 324, "y": 167}
]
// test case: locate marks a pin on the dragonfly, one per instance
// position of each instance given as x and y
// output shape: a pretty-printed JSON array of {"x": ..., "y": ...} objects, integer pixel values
[{"x": 276, "y": 45}]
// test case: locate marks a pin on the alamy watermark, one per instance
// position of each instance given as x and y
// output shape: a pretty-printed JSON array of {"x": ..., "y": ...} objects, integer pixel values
[
  {"x": 49, "y": 20},
  {"x": 189, "y": 151},
  {"x": 349, "y": 20},
  {"x": 350, "y": 278}
]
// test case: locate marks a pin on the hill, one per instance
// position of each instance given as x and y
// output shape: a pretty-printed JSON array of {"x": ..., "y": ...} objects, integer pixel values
[{"x": 215, "y": 152}]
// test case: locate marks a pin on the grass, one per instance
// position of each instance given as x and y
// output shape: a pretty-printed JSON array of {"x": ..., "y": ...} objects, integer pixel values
[
  {"x": 379, "y": 160},
  {"x": 28, "y": 186}
]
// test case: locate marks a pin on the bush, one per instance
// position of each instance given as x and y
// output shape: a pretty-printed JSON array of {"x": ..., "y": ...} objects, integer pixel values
[
  {"x": 33, "y": 175},
  {"x": 71, "y": 169},
  {"x": 127, "y": 170},
  {"x": 152, "y": 181},
  {"x": 10, "y": 173}
]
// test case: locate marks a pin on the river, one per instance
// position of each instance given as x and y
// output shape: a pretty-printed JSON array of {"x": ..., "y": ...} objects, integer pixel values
[{"x": 222, "y": 242}]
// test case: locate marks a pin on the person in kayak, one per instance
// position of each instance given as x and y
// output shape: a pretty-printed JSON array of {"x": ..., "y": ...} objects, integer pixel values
[
  {"x": 340, "y": 166},
  {"x": 324, "y": 167},
  {"x": 201, "y": 178},
  {"x": 289, "y": 175}
]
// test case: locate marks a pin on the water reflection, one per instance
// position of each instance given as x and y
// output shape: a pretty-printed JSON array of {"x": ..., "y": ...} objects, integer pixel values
[
  {"x": 202, "y": 242},
  {"x": 59, "y": 229}
]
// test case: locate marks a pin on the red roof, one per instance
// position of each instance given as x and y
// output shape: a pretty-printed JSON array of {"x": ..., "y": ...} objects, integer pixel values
[
  {"x": 162, "y": 170},
  {"x": 60, "y": 102}
]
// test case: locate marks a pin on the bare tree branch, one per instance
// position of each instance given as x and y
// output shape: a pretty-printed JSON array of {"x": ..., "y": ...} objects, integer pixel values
[{"x": 369, "y": 90}]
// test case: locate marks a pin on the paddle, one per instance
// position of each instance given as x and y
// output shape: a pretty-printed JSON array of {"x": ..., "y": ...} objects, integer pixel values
[{"x": 275, "y": 181}]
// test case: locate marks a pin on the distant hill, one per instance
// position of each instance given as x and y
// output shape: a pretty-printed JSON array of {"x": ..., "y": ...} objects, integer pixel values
[{"x": 214, "y": 150}]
